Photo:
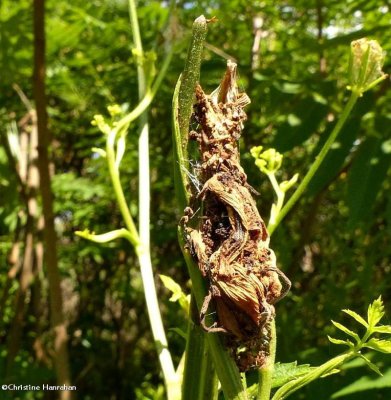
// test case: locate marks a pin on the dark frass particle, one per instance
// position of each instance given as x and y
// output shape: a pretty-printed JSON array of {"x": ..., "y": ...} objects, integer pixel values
[{"x": 229, "y": 240}]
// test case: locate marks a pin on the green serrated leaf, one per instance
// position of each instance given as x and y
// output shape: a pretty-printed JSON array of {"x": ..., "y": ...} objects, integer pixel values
[
  {"x": 339, "y": 341},
  {"x": 371, "y": 365},
  {"x": 375, "y": 312},
  {"x": 384, "y": 346},
  {"x": 286, "y": 372},
  {"x": 356, "y": 316},
  {"x": 382, "y": 329},
  {"x": 315, "y": 373},
  {"x": 346, "y": 330}
]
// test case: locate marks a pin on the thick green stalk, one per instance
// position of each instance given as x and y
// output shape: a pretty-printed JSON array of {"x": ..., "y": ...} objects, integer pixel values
[
  {"x": 143, "y": 250},
  {"x": 198, "y": 383},
  {"x": 266, "y": 371},
  {"x": 190, "y": 77},
  {"x": 319, "y": 159},
  {"x": 181, "y": 164}
]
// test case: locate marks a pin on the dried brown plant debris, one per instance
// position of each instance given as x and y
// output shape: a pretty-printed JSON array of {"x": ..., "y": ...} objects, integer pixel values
[{"x": 230, "y": 241}]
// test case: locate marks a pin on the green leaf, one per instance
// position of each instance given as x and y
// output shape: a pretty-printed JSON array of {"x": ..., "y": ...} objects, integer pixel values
[
  {"x": 346, "y": 330},
  {"x": 371, "y": 365},
  {"x": 375, "y": 312},
  {"x": 177, "y": 293},
  {"x": 356, "y": 316},
  {"x": 382, "y": 329},
  {"x": 315, "y": 373},
  {"x": 339, "y": 341},
  {"x": 365, "y": 383},
  {"x": 384, "y": 346},
  {"x": 285, "y": 372}
]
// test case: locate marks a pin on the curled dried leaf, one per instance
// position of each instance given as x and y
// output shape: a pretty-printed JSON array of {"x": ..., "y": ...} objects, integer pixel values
[{"x": 230, "y": 241}]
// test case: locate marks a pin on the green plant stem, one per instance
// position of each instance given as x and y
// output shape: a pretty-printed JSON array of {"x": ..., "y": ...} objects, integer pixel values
[
  {"x": 143, "y": 255},
  {"x": 119, "y": 194},
  {"x": 148, "y": 97},
  {"x": 143, "y": 250},
  {"x": 323, "y": 369},
  {"x": 319, "y": 159},
  {"x": 180, "y": 162},
  {"x": 266, "y": 371},
  {"x": 199, "y": 383},
  {"x": 190, "y": 77},
  {"x": 280, "y": 198}
]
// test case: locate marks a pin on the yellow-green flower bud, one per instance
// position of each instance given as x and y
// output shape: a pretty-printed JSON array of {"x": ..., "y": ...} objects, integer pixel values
[
  {"x": 99, "y": 121},
  {"x": 273, "y": 159},
  {"x": 256, "y": 151},
  {"x": 365, "y": 65},
  {"x": 114, "y": 110},
  {"x": 268, "y": 161}
]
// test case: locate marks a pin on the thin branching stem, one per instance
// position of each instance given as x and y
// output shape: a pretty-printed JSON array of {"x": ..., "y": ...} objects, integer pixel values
[
  {"x": 148, "y": 97},
  {"x": 280, "y": 198},
  {"x": 143, "y": 250},
  {"x": 118, "y": 191},
  {"x": 318, "y": 161}
]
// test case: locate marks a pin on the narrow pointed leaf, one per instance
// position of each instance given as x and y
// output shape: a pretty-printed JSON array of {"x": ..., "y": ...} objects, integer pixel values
[
  {"x": 384, "y": 346},
  {"x": 382, "y": 329},
  {"x": 338, "y": 341},
  {"x": 346, "y": 330},
  {"x": 371, "y": 365},
  {"x": 357, "y": 317}
]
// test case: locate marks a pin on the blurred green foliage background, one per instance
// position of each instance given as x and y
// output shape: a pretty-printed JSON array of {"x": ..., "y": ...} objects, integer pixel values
[{"x": 335, "y": 245}]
